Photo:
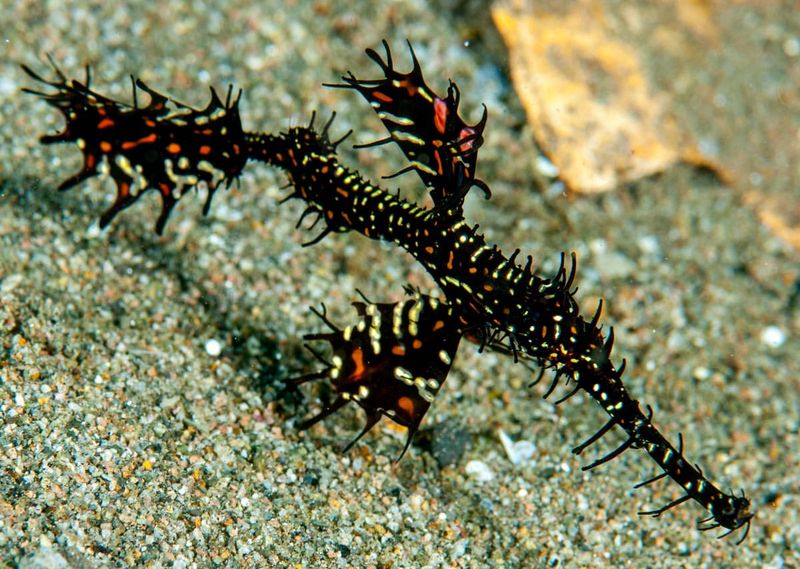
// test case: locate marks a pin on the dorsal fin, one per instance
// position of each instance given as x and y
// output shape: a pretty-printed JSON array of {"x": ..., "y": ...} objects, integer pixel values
[{"x": 442, "y": 148}]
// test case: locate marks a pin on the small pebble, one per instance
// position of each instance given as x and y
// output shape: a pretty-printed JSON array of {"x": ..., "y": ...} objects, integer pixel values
[
  {"x": 701, "y": 373},
  {"x": 479, "y": 470},
  {"x": 773, "y": 336},
  {"x": 213, "y": 347},
  {"x": 45, "y": 557},
  {"x": 791, "y": 47},
  {"x": 545, "y": 167},
  {"x": 519, "y": 451},
  {"x": 649, "y": 244}
]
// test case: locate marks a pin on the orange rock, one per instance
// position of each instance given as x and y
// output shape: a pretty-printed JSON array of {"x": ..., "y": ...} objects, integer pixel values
[{"x": 592, "y": 110}]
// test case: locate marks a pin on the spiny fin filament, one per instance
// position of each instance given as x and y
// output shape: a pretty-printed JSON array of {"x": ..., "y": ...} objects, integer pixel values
[
  {"x": 147, "y": 148},
  {"x": 441, "y": 147}
]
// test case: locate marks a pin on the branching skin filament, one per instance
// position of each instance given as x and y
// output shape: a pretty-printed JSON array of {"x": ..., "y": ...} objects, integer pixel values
[{"x": 395, "y": 358}]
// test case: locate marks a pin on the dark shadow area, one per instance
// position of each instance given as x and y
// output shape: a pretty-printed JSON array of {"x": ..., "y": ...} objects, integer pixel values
[
  {"x": 254, "y": 352},
  {"x": 35, "y": 200}
]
